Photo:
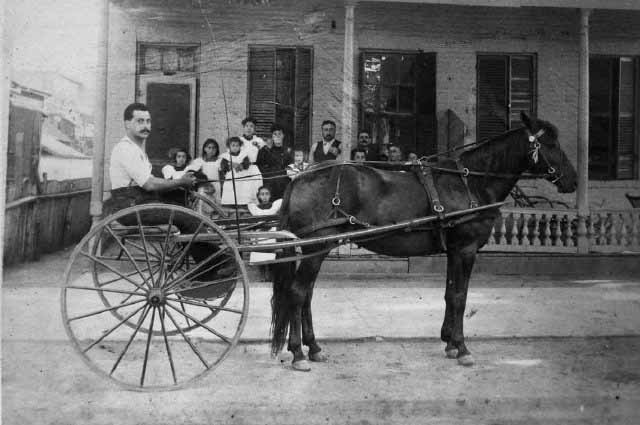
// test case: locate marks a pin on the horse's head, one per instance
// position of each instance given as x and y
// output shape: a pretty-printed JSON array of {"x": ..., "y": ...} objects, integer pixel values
[{"x": 546, "y": 156}]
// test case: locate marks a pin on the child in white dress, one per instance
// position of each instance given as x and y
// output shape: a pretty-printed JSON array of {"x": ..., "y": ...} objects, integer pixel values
[{"x": 247, "y": 177}]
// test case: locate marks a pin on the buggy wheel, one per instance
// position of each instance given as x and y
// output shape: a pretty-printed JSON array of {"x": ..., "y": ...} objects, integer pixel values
[
  {"x": 180, "y": 320},
  {"x": 120, "y": 254}
]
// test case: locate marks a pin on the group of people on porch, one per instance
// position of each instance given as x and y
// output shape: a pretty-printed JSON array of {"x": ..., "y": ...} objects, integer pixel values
[{"x": 254, "y": 172}]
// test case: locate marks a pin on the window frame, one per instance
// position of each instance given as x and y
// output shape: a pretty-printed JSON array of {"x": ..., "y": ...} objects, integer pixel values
[
  {"x": 275, "y": 47},
  {"x": 613, "y": 176},
  {"x": 509, "y": 77},
  {"x": 363, "y": 52}
]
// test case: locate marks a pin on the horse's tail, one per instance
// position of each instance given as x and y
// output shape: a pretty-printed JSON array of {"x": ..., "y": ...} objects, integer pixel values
[{"x": 283, "y": 275}]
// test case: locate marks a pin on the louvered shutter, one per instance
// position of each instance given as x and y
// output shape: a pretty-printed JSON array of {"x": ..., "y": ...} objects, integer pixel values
[
  {"x": 521, "y": 89},
  {"x": 304, "y": 69},
  {"x": 262, "y": 94},
  {"x": 492, "y": 95},
  {"x": 626, "y": 138}
]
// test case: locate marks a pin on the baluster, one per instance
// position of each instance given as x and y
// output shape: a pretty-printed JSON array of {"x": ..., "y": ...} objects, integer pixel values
[
  {"x": 492, "y": 237},
  {"x": 634, "y": 229},
  {"x": 613, "y": 235},
  {"x": 602, "y": 237},
  {"x": 591, "y": 230},
  {"x": 536, "y": 229},
  {"x": 545, "y": 234},
  {"x": 514, "y": 229},
  {"x": 624, "y": 233},
  {"x": 568, "y": 241},
  {"x": 525, "y": 229},
  {"x": 503, "y": 231}
]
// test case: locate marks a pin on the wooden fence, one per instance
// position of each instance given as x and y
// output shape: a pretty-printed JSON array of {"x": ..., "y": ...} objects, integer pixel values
[{"x": 56, "y": 218}]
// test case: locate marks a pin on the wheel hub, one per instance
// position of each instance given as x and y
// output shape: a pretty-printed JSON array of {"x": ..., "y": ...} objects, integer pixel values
[{"x": 156, "y": 297}]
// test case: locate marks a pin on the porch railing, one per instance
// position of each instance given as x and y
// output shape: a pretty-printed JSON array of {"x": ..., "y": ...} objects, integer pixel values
[
  {"x": 552, "y": 230},
  {"x": 545, "y": 230}
]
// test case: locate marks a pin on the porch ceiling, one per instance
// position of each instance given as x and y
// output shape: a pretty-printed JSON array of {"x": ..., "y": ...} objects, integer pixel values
[{"x": 578, "y": 4}]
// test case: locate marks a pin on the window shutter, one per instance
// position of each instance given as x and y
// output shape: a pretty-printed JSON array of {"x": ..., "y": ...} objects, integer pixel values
[
  {"x": 626, "y": 138},
  {"x": 262, "y": 106},
  {"x": 521, "y": 89},
  {"x": 304, "y": 69},
  {"x": 492, "y": 95}
]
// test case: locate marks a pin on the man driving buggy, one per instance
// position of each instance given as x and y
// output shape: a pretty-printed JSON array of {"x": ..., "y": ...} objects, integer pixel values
[{"x": 133, "y": 184}]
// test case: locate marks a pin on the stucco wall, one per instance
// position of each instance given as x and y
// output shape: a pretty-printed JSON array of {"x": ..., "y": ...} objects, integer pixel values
[{"x": 455, "y": 33}]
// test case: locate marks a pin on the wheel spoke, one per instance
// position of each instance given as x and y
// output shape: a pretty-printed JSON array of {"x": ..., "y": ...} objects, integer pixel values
[
  {"x": 101, "y": 284},
  {"x": 205, "y": 285},
  {"x": 93, "y": 313},
  {"x": 192, "y": 272},
  {"x": 185, "y": 314},
  {"x": 133, "y": 335},
  {"x": 204, "y": 305},
  {"x": 111, "y": 269},
  {"x": 128, "y": 254},
  {"x": 146, "y": 351},
  {"x": 186, "y": 338},
  {"x": 166, "y": 344},
  {"x": 144, "y": 241},
  {"x": 162, "y": 275},
  {"x": 113, "y": 329},
  {"x": 115, "y": 291},
  {"x": 186, "y": 248},
  {"x": 141, "y": 248}
]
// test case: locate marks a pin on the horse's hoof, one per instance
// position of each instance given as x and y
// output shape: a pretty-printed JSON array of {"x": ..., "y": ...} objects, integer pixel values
[
  {"x": 452, "y": 353},
  {"x": 466, "y": 360},
  {"x": 318, "y": 357},
  {"x": 301, "y": 366}
]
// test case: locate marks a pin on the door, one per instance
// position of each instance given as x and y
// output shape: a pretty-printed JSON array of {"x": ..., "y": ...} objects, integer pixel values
[{"x": 172, "y": 104}]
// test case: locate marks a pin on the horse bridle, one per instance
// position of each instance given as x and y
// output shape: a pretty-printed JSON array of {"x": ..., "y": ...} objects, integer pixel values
[{"x": 536, "y": 154}]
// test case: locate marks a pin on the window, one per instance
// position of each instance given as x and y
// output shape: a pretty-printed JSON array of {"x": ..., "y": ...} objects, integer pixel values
[
  {"x": 506, "y": 87},
  {"x": 613, "y": 111},
  {"x": 398, "y": 99},
  {"x": 166, "y": 59},
  {"x": 280, "y": 82}
]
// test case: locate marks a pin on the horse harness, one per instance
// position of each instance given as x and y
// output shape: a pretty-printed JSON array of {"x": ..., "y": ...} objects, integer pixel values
[{"x": 424, "y": 172}]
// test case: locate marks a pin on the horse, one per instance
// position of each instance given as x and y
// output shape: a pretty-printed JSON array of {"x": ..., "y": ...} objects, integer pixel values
[{"x": 340, "y": 197}]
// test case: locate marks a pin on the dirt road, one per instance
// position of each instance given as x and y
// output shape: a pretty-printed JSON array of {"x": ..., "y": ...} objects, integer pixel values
[{"x": 545, "y": 381}]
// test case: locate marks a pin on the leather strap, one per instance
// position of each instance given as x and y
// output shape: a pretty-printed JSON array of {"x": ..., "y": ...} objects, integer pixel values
[{"x": 464, "y": 172}]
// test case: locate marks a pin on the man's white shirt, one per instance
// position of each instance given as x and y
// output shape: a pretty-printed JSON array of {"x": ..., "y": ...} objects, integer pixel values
[{"x": 130, "y": 165}]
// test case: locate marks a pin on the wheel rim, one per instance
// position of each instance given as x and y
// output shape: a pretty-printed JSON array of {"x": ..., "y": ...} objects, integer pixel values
[{"x": 172, "y": 336}]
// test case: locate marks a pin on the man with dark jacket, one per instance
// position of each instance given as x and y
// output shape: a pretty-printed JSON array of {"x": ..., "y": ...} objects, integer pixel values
[{"x": 329, "y": 147}]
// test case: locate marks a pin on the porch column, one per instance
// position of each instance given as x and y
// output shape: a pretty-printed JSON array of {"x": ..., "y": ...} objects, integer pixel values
[
  {"x": 348, "y": 104},
  {"x": 582, "y": 197},
  {"x": 5, "y": 84},
  {"x": 100, "y": 111}
]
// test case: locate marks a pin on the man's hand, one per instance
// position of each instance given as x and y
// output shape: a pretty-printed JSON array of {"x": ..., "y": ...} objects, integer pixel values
[
  {"x": 188, "y": 179},
  {"x": 334, "y": 150}
]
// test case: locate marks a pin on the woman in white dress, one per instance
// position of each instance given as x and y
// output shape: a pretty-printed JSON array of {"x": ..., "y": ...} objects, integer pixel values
[{"x": 247, "y": 176}]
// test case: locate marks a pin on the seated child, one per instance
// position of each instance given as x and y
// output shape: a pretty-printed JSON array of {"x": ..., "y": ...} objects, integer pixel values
[
  {"x": 179, "y": 164},
  {"x": 298, "y": 164},
  {"x": 247, "y": 176},
  {"x": 265, "y": 206}
]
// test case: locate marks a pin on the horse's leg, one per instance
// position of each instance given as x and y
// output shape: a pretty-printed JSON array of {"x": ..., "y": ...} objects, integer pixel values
[
  {"x": 447, "y": 325},
  {"x": 462, "y": 261},
  {"x": 308, "y": 271},
  {"x": 297, "y": 297}
]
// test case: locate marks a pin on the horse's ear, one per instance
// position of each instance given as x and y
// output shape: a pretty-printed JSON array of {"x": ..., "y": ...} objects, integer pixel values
[{"x": 525, "y": 119}]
